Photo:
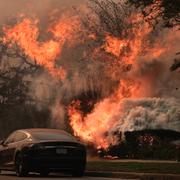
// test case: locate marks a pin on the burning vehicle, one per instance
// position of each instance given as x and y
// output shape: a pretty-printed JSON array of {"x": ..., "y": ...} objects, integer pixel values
[{"x": 43, "y": 151}]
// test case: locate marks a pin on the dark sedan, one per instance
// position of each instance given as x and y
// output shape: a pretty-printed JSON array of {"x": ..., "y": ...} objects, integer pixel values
[{"x": 43, "y": 151}]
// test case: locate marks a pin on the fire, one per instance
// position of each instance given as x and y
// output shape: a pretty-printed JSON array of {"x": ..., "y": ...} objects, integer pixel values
[
  {"x": 66, "y": 29},
  {"x": 25, "y": 34},
  {"x": 114, "y": 45},
  {"x": 129, "y": 50},
  {"x": 93, "y": 127},
  {"x": 97, "y": 127},
  {"x": 45, "y": 53}
]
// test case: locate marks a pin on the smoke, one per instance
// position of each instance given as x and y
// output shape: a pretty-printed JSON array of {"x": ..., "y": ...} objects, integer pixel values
[
  {"x": 9, "y": 9},
  {"x": 83, "y": 76},
  {"x": 149, "y": 113},
  {"x": 148, "y": 97},
  {"x": 131, "y": 74},
  {"x": 152, "y": 71},
  {"x": 148, "y": 94},
  {"x": 131, "y": 115}
]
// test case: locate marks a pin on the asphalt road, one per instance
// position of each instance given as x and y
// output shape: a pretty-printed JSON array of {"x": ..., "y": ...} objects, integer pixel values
[{"x": 11, "y": 176}]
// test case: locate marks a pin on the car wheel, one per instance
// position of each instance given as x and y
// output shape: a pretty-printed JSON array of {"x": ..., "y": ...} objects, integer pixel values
[
  {"x": 78, "y": 172},
  {"x": 44, "y": 173},
  {"x": 20, "y": 167}
]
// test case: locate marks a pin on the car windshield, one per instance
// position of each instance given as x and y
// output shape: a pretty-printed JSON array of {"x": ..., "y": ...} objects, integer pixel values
[{"x": 51, "y": 136}]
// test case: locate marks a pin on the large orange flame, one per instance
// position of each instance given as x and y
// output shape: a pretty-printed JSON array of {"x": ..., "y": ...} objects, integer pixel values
[
  {"x": 26, "y": 35},
  {"x": 94, "y": 127}
]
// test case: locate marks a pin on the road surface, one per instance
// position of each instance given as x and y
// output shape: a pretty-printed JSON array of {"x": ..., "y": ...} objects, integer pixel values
[{"x": 11, "y": 176}]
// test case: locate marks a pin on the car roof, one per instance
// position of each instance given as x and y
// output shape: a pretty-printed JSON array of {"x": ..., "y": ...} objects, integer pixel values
[{"x": 29, "y": 132}]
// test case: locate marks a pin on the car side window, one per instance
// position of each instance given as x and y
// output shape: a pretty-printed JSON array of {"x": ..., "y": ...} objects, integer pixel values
[
  {"x": 10, "y": 138},
  {"x": 19, "y": 136}
]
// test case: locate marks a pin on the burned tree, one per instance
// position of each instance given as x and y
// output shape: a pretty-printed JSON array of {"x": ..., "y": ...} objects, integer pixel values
[
  {"x": 176, "y": 64},
  {"x": 168, "y": 10},
  {"x": 14, "y": 72},
  {"x": 112, "y": 17},
  {"x": 17, "y": 107}
]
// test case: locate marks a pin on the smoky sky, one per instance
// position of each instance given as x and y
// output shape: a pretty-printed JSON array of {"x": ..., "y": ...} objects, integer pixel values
[{"x": 10, "y": 8}]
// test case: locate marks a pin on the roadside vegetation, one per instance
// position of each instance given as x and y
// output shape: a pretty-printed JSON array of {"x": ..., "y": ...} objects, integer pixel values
[{"x": 141, "y": 167}]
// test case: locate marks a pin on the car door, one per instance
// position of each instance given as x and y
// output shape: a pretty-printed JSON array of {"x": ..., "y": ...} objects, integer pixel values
[
  {"x": 18, "y": 140},
  {"x": 6, "y": 148}
]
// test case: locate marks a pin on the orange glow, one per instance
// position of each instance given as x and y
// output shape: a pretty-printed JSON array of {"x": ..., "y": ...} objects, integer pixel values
[
  {"x": 129, "y": 48},
  {"x": 95, "y": 126},
  {"x": 25, "y": 34},
  {"x": 45, "y": 53},
  {"x": 114, "y": 45},
  {"x": 66, "y": 29}
]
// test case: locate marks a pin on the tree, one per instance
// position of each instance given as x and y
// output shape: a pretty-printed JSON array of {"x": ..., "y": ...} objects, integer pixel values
[
  {"x": 169, "y": 10},
  {"x": 176, "y": 64},
  {"x": 17, "y": 108},
  {"x": 111, "y": 17},
  {"x": 15, "y": 73}
]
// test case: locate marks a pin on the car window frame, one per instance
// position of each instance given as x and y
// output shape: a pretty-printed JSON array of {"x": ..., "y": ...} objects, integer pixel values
[
  {"x": 21, "y": 139},
  {"x": 13, "y": 135}
]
